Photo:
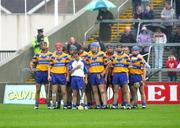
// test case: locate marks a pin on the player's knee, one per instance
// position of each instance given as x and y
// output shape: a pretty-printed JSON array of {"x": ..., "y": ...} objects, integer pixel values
[
  {"x": 102, "y": 92},
  {"x": 64, "y": 93},
  {"x": 115, "y": 91}
]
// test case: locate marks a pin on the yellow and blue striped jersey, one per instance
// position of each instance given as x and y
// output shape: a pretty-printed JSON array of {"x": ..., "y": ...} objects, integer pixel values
[
  {"x": 42, "y": 60},
  {"x": 120, "y": 63},
  {"x": 58, "y": 63},
  {"x": 97, "y": 62},
  {"x": 109, "y": 55},
  {"x": 84, "y": 55},
  {"x": 137, "y": 65}
]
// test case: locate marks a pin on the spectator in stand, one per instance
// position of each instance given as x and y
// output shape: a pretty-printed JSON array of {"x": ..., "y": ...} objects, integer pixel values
[
  {"x": 127, "y": 36},
  {"x": 168, "y": 14},
  {"x": 144, "y": 3},
  {"x": 135, "y": 4},
  {"x": 138, "y": 16},
  {"x": 177, "y": 3},
  {"x": 178, "y": 65},
  {"x": 172, "y": 63},
  {"x": 160, "y": 39},
  {"x": 148, "y": 13},
  {"x": 72, "y": 41},
  {"x": 176, "y": 39},
  {"x": 144, "y": 41},
  {"x": 105, "y": 28}
]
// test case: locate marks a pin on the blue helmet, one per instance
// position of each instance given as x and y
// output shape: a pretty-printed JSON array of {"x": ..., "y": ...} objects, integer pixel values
[
  {"x": 135, "y": 48},
  {"x": 94, "y": 44}
]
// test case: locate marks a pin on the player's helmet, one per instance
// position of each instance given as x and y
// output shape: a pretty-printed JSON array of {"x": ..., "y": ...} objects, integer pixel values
[
  {"x": 135, "y": 48},
  {"x": 94, "y": 44}
]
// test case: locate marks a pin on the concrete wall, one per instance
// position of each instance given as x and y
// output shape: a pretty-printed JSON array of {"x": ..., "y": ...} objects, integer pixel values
[
  {"x": 13, "y": 28},
  {"x": 75, "y": 26}
]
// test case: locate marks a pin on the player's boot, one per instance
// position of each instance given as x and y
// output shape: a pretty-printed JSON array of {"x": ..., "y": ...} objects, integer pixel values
[
  {"x": 104, "y": 106},
  {"x": 58, "y": 105},
  {"x": 123, "y": 107},
  {"x": 36, "y": 106},
  {"x": 143, "y": 105},
  {"x": 128, "y": 107},
  {"x": 86, "y": 107},
  {"x": 74, "y": 107},
  {"x": 135, "y": 107},
  {"x": 98, "y": 106},
  {"x": 65, "y": 107},
  {"x": 114, "y": 106}
]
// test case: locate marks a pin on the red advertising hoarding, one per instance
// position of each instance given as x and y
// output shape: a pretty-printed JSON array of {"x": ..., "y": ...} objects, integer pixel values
[{"x": 158, "y": 93}]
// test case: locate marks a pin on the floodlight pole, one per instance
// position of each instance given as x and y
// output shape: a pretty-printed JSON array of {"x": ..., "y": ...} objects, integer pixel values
[
  {"x": 0, "y": 27},
  {"x": 74, "y": 7},
  {"x": 55, "y": 12},
  {"x": 25, "y": 19}
]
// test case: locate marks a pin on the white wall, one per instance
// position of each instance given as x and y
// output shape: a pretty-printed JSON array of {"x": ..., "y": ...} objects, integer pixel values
[{"x": 13, "y": 28}]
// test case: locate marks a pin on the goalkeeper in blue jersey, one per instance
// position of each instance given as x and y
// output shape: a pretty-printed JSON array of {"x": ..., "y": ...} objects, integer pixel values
[{"x": 78, "y": 73}]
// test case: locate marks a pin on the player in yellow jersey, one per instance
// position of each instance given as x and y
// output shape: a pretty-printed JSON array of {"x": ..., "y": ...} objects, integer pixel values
[
  {"x": 41, "y": 61},
  {"x": 120, "y": 63},
  {"x": 98, "y": 64},
  {"x": 109, "y": 54},
  {"x": 57, "y": 74},
  {"x": 137, "y": 74},
  {"x": 82, "y": 53}
]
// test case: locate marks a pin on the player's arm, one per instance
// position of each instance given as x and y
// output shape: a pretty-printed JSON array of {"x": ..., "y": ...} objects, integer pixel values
[
  {"x": 85, "y": 72},
  {"x": 67, "y": 67},
  {"x": 32, "y": 63},
  {"x": 107, "y": 63},
  {"x": 71, "y": 69},
  {"x": 49, "y": 72},
  {"x": 144, "y": 75},
  {"x": 86, "y": 79},
  {"x": 143, "y": 65},
  {"x": 67, "y": 73}
]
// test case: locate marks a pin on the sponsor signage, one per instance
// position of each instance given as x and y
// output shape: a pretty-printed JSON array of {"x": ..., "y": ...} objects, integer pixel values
[
  {"x": 156, "y": 93},
  {"x": 21, "y": 94}
]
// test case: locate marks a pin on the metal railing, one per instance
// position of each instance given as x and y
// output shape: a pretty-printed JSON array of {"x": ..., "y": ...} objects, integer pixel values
[
  {"x": 93, "y": 26},
  {"x": 4, "y": 54},
  {"x": 124, "y": 3},
  {"x": 88, "y": 31}
]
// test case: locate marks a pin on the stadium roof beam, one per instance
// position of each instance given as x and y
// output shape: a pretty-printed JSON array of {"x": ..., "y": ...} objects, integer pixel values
[
  {"x": 5, "y": 10},
  {"x": 37, "y": 7}
]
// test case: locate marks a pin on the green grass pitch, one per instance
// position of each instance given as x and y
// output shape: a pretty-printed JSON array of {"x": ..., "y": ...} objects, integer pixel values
[{"x": 155, "y": 116}]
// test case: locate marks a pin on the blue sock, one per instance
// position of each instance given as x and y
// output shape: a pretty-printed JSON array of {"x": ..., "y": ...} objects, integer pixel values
[
  {"x": 115, "y": 104},
  {"x": 123, "y": 103},
  {"x": 37, "y": 104},
  {"x": 144, "y": 103}
]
